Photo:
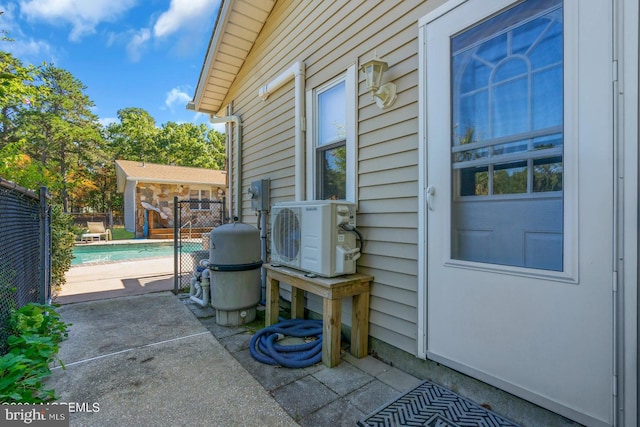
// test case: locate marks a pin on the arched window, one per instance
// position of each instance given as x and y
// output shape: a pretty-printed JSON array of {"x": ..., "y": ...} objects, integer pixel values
[{"x": 507, "y": 86}]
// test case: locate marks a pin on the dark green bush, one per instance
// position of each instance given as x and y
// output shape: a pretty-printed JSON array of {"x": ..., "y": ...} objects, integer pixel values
[{"x": 33, "y": 346}]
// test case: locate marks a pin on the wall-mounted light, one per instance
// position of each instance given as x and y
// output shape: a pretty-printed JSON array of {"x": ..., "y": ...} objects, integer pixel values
[{"x": 384, "y": 94}]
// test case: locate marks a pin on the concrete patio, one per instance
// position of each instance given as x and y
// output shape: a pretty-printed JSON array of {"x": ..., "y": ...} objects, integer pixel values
[{"x": 148, "y": 357}]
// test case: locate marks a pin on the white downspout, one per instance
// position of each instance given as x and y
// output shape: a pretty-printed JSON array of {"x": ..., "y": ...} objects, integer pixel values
[
  {"x": 297, "y": 71},
  {"x": 236, "y": 195}
]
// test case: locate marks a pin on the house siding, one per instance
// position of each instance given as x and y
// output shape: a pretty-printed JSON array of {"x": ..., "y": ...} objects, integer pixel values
[
  {"x": 329, "y": 37},
  {"x": 130, "y": 200}
]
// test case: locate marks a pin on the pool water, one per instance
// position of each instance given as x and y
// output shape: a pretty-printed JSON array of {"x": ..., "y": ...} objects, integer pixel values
[{"x": 94, "y": 254}]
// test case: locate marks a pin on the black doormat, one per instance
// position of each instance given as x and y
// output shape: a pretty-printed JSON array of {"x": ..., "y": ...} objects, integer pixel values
[{"x": 431, "y": 405}]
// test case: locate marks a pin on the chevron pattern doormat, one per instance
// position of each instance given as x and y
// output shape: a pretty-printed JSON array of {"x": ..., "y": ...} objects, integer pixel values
[{"x": 431, "y": 405}]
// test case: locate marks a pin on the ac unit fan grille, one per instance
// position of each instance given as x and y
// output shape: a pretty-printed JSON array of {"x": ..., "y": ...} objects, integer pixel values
[{"x": 287, "y": 235}]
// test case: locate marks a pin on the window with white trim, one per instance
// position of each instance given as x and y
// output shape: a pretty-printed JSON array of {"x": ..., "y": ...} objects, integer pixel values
[
  {"x": 507, "y": 103},
  {"x": 199, "y": 199},
  {"x": 331, "y": 139}
]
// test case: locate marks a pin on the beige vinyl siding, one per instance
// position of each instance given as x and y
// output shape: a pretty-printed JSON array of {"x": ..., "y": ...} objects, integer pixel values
[{"x": 329, "y": 37}]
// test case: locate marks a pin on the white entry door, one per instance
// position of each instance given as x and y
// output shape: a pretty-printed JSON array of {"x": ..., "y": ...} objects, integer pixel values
[{"x": 519, "y": 204}]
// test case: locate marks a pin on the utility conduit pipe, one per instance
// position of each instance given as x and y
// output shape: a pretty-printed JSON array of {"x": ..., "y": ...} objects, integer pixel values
[
  {"x": 236, "y": 195},
  {"x": 297, "y": 72}
]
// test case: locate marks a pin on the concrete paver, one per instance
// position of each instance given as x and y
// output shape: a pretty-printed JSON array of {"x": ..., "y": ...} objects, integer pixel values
[{"x": 318, "y": 396}]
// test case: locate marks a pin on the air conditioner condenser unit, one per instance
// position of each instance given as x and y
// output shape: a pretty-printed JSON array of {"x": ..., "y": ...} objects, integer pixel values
[{"x": 315, "y": 236}]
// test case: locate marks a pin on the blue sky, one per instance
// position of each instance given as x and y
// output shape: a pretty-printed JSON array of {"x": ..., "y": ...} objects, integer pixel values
[{"x": 128, "y": 53}]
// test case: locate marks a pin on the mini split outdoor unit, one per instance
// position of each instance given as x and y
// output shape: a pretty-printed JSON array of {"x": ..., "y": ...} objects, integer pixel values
[{"x": 315, "y": 237}]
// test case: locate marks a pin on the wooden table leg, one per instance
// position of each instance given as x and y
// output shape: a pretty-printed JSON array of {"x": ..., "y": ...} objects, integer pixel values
[
  {"x": 360, "y": 325},
  {"x": 297, "y": 303},
  {"x": 272, "y": 310},
  {"x": 332, "y": 324}
]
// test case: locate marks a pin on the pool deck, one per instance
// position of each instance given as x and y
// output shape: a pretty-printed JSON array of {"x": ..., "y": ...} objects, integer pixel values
[
  {"x": 116, "y": 279},
  {"x": 81, "y": 243}
]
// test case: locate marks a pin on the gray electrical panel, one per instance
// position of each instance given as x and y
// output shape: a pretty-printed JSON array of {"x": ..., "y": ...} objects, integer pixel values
[{"x": 259, "y": 192}]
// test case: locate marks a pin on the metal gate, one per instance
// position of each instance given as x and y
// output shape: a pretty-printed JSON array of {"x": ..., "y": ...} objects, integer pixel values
[{"x": 194, "y": 220}]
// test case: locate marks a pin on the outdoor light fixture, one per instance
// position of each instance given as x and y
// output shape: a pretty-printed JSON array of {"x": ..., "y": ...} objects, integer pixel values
[{"x": 384, "y": 95}]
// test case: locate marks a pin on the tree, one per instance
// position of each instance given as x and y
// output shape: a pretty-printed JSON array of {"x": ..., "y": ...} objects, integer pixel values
[
  {"x": 103, "y": 196},
  {"x": 61, "y": 131},
  {"x": 17, "y": 92},
  {"x": 188, "y": 144},
  {"x": 217, "y": 142},
  {"x": 135, "y": 137},
  {"x": 18, "y": 167}
]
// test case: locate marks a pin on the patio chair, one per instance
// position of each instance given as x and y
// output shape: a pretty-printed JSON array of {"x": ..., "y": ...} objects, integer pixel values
[{"x": 96, "y": 229}]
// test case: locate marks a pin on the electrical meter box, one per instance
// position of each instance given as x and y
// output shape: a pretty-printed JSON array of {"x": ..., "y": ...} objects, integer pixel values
[{"x": 259, "y": 192}]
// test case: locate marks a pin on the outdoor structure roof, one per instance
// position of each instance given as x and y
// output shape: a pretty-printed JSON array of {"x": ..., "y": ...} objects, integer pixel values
[
  {"x": 238, "y": 25},
  {"x": 128, "y": 170}
]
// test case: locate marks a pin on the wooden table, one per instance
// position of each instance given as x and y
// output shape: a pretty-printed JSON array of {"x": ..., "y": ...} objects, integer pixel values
[{"x": 332, "y": 290}]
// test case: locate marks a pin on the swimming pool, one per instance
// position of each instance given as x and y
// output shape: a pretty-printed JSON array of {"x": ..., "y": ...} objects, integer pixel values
[{"x": 96, "y": 254}]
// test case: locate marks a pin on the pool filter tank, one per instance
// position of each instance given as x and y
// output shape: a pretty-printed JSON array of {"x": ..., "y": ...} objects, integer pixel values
[{"x": 235, "y": 264}]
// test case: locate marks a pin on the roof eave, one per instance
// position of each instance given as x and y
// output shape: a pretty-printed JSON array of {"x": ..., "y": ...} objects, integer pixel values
[
  {"x": 214, "y": 46},
  {"x": 175, "y": 181},
  {"x": 121, "y": 178},
  {"x": 230, "y": 18}
]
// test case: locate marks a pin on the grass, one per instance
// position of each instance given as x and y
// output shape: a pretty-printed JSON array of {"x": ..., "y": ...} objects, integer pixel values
[{"x": 119, "y": 233}]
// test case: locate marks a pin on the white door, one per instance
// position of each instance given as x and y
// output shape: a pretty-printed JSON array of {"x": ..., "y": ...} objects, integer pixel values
[{"x": 519, "y": 130}]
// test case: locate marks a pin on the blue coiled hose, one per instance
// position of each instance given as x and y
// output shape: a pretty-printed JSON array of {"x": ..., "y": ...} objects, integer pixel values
[{"x": 263, "y": 346}]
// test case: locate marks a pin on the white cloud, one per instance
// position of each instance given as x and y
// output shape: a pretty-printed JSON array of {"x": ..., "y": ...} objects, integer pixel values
[
  {"x": 183, "y": 14},
  {"x": 185, "y": 18},
  {"x": 137, "y": 43},
  {"x": 22, "y": 46},
  {"x": 8, "y": 18},
  {"x": 32, "y": 49},
  {"x": 82, "y": 15},
  {"x": 176, "y": 98}
]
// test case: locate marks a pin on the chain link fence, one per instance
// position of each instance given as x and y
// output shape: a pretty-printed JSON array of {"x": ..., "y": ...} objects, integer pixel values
[
  {"x": 25, "y": 251},
  {"x": 194, "y": 221}
]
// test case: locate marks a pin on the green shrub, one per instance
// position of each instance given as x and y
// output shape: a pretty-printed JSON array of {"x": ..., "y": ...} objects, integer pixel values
[
  {"x": 33, "y": 346},
  {"x": 63, "y": 236}
]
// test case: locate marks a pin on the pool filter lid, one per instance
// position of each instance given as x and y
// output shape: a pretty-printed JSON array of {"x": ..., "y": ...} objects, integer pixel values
[{"x": 234, "y": 247}]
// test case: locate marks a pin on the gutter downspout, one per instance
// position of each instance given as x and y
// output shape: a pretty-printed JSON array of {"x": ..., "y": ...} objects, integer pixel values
[
  {"x": 236, "y": 202},
  {"x": 297, "y": 71}
]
